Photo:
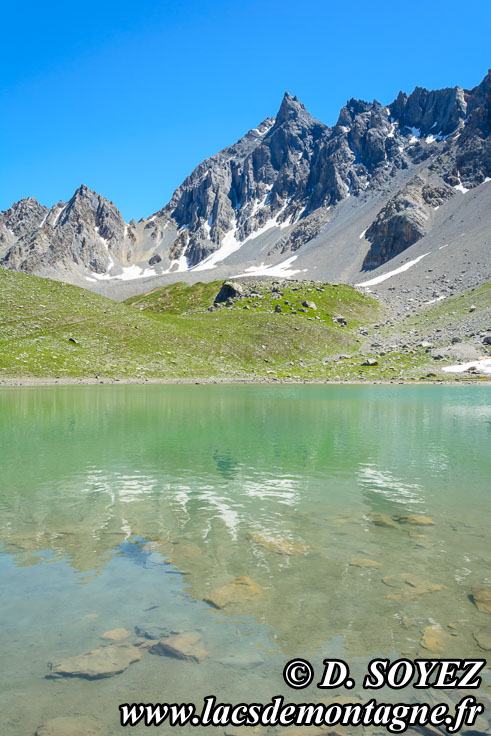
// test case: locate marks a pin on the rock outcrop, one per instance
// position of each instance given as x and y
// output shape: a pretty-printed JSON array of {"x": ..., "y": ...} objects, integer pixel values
[{"x": 404, "y": 220}]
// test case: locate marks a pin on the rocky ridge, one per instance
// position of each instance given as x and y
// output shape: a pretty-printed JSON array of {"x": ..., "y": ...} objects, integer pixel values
[{"x": 278, "y": 189}]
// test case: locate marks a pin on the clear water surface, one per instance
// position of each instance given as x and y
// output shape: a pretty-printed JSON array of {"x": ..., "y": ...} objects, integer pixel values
[{"x": 124, "y": 506}]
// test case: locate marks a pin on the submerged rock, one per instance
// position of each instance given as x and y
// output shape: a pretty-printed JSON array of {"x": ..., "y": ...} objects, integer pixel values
[
  {"x": 381, "y": 520},
  {"x": 483, "y": 638},
  {"x": 70, "y": 726},
  {"x": 240, "y": 590},
  {"x": 116, "y": 634},
  {"x": 281, "y": 546},
  {"x": 435, "y": 639},
  {"x": 363, "y": 562},
  {"x": 417, "y": 535},
  {"x": 188, "y": 647},
  {"x": 148, "y": 631},
  {"x": 415, "y": 519},
  {"x": 242, "y": 660},
  {"x": 482, "y": 599},
  {"x": 96, "y": 664},
  {"x": 411, "y": 585}
]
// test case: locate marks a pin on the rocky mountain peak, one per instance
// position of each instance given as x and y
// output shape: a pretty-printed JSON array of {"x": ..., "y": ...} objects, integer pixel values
[
  {"x": 290, "y": 109},
  {"x": 83, "y": 190},
  {"x": 293, "y": 117},
  {"x": 353, "y": 108},
  {"x": 20, "y": 218},
  {"x": 276, "y": 189},
  {"x": 480, "y": 96},
  {"x": 435, "y": 112},
  {"x": 23, "y": 207},
  {"x": 82, "y": 231}
]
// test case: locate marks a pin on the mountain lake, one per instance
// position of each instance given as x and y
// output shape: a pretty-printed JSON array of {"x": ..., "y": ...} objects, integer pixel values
[{"x": 247, "y": 525}]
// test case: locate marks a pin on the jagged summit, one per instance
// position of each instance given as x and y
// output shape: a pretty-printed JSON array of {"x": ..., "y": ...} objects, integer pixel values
[
  {"x": 290, "y": 109},
  {"x": 288, "y": 187},
  {"x": 431, "y": 112}
]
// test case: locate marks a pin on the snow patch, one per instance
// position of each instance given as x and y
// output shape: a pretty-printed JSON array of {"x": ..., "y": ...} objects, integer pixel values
[
  {"x": 265, "y": 128},
  {"x": 385, "y": 276},
  {"x": 282, "y": 269},
  {"x": 435, "y": 137},
  {"x": 229, "y": 245},
  {"x": 128, "y": 273},
  {"x": 415, "y": 134},
  {"x": 178, "y": 265},
  {"x": 58, "y": 216},
  {"x": 103, "y": 240},
  {"x": 135, "y": 272},
  {"x": 483, "y": 365},
  {"x": 182, "y": 264},
  {"x": 460, "y": 187}
]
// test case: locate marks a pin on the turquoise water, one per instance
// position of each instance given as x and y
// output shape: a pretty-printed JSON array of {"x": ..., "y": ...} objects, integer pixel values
[{"x": 124, "y": 506}]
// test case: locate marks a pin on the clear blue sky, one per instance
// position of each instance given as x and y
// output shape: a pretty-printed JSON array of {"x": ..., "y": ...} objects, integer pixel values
[{"x": 127, "y": 97}]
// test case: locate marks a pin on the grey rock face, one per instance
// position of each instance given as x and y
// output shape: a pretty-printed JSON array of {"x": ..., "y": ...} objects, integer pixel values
[
  {"x": 277, "y": 189},
  {"x": 261, "y": 179},
  {"x": 282, "y": 172},
  {"x": 291, "y": 170},
  {"x": 437, "y": 112},
  {"x": 404, "y": 220},
  {"x": 84, "y": 231},
  {"x": 471, "y": 153}
]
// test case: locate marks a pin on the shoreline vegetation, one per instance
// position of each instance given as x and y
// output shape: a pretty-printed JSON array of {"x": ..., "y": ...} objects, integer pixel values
[{"x": 258, "y": 332}]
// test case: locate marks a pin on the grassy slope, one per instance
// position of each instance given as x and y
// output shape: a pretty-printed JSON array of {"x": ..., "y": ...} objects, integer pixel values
[
  {"x": 38, "y": 317},
  {"x": 177, "y": 298},
  {"x": 169, "y": 333}
]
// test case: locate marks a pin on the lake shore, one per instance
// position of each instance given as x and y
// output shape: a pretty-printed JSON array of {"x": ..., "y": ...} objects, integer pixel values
[{"x": 249, "y": 380}]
